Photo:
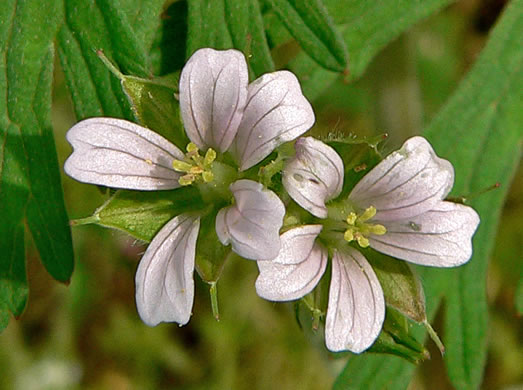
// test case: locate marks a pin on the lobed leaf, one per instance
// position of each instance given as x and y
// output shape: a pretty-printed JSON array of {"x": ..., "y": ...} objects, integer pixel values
[
  {"x": 245, "y": 23},
  {"x": 366, "y": 28},
  {"x": 30, "y": 188},
  {"x": 122, "y": 33},
  {"x": 479, "y": 131},
  {"x": 310, "y": 24},
  {"x": 207, "y": 26}
]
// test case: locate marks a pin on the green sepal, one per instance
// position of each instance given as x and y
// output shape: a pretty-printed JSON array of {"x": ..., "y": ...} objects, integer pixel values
[
  {"x": 154, "y": 103},
  {"x": 141, "y": 214},
  {"x": 401, "y": 286},
  {"x": 270, "y": 174},
  {"x": 317, "y": 300},
  {"x": 211, "y": 254},
  {"x": 395, "y": 339},
  {"x": 359, "y": 156}
]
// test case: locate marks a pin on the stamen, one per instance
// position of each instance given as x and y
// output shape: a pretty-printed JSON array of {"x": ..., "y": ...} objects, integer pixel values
[
  {"x": 368, "y": 214},
  {"x": 351, "y": 218},
  {"x": 358, "y": 230},
  {"x": 196, "y": 168},
  {"x": 362, "y": 241},
  {"x": 181, "y": 166}
]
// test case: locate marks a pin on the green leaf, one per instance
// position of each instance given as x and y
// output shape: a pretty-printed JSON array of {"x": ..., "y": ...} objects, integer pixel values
[
  {"x": 310, "y": 24},
  {"x": 130, "y": 52},
  {"x": 479, "y": 131},
  {"x": 369, "y": 371},
  {"x": 29, "y": 174},
  {"x": 207, "y": 26},
  {"x": 141, "y": 214},
  {"x": 122, "y": 33},
  {"x": 245, "y": 23},
  {"x": 366, "y": 27},
  {"x": 168, "y": 50},
  {"x": 519, "y": 296}
]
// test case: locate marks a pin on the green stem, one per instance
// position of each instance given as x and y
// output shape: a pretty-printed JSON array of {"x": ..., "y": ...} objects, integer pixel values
[
  {"x": 214, "y": 300},
  {"x": 114, "y": 70},
  {"x": 84, "y": 221},
  {"x": 434, "y": 336},
  {"x": 316, "y": 316}
]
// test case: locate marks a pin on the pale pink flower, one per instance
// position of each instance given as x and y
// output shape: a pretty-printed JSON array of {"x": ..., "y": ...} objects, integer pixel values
[
  {"x": 398, "y": 208},
  {"x": 220, "y": 110}
]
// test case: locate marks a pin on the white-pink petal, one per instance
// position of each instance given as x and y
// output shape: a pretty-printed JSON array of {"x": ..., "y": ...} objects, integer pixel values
[
  {"x": 276, "y": 112},
  {"x": 164, "y": 279},
  {"x": 407, "y": 183},
  {"x": 213, "y": 92},
  {"x": 356, "y": 308},
  {"x": 441, "y": 237},
  {"x": 314, "y": 175},
  {"x": 252, "y": 224},
  {"x": 120, "y": 154},
  {"x": 298, "y": 267}
]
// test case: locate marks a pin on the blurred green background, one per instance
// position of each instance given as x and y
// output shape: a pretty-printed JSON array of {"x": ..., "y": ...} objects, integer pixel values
[{"x": 88, "y": 335}]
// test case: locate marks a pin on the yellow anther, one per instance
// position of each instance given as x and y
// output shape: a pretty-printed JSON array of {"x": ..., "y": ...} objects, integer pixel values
[
  {"x": 210, "y": 156},
  {"x": 359, "y": 230},
  {"x": 191, "y": 147},
  {"x": 181, "y": 166},
  {"x": 362, "y": 241},
  {"x": 367, "y": 214},
  {"x": 186, "y": 180},
  {"x": 378, "y": 230},
  {"x": 196, "y": 168},
  {"x": 351, "y": 218}
]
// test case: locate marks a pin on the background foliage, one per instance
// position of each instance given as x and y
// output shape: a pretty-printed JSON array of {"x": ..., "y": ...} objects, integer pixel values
[{"x": 403, "y": 67}]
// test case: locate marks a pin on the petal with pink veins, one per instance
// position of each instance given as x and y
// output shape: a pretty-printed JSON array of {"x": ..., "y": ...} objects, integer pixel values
[
  {"x": 213, "y": 93},
  {"x": 252, "y": 224},
  {"x": 298, "y": 267},
  {"x": 314, "y": 175},
  {"x": 164, "y": 279},
  {"x": 407, "y": 183},
  {"x": 120, "y": 154},
  {"x": 356, "y": 308},
  {"x": 441, "y": 237},
  {"x": 276, "y": 112}
]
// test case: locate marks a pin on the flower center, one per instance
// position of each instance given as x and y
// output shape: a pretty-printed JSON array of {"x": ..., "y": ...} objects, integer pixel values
[
  {"x": 359, "y": 230},
  {"x": 197, "y": 168}
]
